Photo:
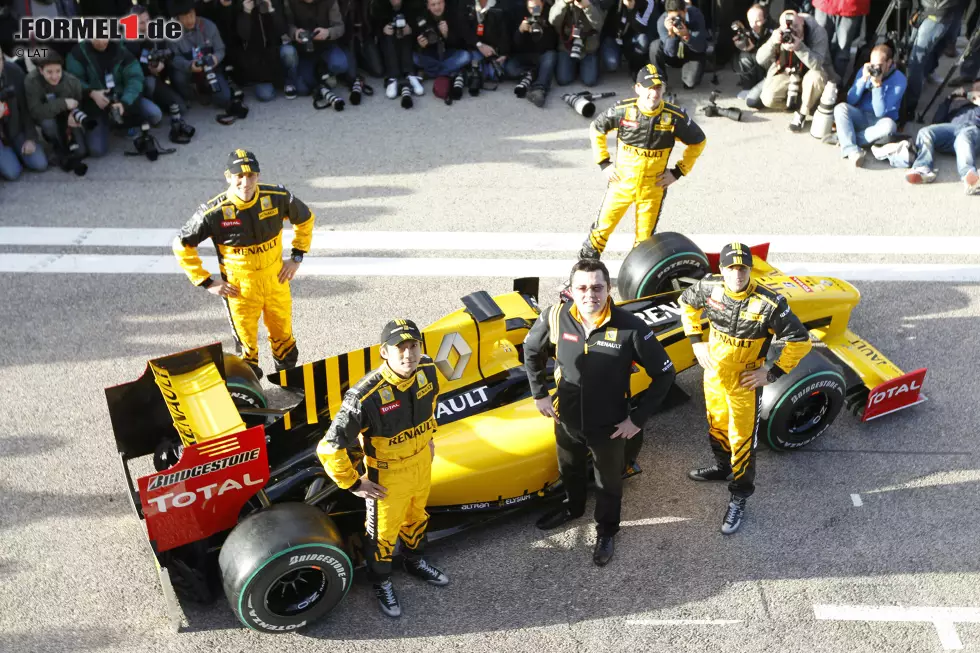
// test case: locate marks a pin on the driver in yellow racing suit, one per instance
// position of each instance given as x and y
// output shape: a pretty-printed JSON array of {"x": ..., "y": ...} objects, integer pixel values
[
  {"x": 390, "y": 414},
  {"x": 245, "y": 223},
  {"x": 744, "y": 318},
  {"x": 647, "y": 128}
]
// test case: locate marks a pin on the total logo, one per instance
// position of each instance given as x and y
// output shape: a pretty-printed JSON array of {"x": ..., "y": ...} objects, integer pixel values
[
  {"x": 894, "y": 392},
  {"x": 184, "y": 499}
]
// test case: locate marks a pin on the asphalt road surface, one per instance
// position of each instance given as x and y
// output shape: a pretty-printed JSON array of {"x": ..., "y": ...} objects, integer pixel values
[{"x": 881, "y": 515}]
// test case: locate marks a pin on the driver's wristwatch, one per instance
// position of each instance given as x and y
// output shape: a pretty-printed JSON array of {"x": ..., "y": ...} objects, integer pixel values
[
  {"x": 354, "y": 487},
  {"x": 773, "y": 374},
  {"x": 297, "y": 256}
]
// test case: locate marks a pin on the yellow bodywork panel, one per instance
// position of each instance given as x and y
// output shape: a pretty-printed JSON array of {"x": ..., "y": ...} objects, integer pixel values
[
  {"x": 199, "y": 403},
  {"x": 502, "y": 453}
]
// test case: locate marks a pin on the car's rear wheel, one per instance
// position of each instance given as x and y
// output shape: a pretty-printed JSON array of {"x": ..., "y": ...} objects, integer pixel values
[
  {"x": 798, "y": 408},
  {"x": 653, "y": 265},
  {"x": 285, "y": 567},
  {"x": 245, "y": 389}
]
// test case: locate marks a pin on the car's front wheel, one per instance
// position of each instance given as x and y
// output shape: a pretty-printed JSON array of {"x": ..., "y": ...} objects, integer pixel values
[{"x": 284, "y": 568}]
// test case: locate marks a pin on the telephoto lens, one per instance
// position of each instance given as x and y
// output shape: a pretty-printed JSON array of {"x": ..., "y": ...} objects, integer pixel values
[
  {"x": 459, "y": 83},
  {"x": 521, "y": 89}
]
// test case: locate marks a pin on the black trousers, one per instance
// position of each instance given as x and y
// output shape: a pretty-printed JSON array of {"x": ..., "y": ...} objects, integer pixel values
[
  {"x": 608, "y": 459},
  {"x": 749, "y": 71},
  {"x": 397, "y": 55}
]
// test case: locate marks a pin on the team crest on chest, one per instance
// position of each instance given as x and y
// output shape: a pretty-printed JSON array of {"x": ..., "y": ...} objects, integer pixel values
[
  {"x": 666, "y": 119},
  {"x": 422, "y": 378},
  {"x": 387, "y": 396},
  {"x": 265, "y": 202},
  {"x": 229, "y": 212},
  {"x": 755, "y": 305},
  {"x": 611, "y": 334}
]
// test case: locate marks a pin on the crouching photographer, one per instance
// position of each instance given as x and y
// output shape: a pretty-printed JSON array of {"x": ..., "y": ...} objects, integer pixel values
[
  {"x": 483, "y": 27},
  {"x": 797, "y": 58},
  {"x": 53, "y": 100},
  {"x": 315, "y": 27},
  {"x": 155, "y": 58},
  {"x": 578, "y": 23},
  {"x": 534, "y": 55},
  {"x": 683, "y": 42},
  {"x": 198, "y": 53},
  {"x": 447, "y": 56},
  {"x": 748, "y": 38},
  {"x": 18, "y": 146},
  {"x": 627, "y": 33},
  {"x": 396, "y": 38},
  {"x": 260, "y": 26},
  {"x": 112, "y": 83}
]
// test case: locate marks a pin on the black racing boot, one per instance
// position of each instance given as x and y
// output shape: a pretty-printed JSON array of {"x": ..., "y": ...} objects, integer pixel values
[
  {"x": 422, "y": 569},
  {"x": 387, "y": 600},
  {"x": 603, "y": 551},
  {"x": 733, "y": 515},
  {"x": 288, "y": 361},
  {"x": 713, "y": 473}
]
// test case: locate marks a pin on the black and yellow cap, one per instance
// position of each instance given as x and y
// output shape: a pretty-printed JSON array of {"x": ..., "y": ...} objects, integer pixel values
[
  {"x": 240, "y": 161},
  {"x": 649, "y": 76},
  {"x": 735, "y": 254},
  {"x": 398, "y": 331}
]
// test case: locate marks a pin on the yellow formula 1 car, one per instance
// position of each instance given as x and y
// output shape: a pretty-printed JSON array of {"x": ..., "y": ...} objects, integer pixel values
[{"x": 239, "y": 502}]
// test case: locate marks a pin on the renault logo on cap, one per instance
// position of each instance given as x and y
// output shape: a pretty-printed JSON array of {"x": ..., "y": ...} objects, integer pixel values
[{"x": 450, "y": 342}]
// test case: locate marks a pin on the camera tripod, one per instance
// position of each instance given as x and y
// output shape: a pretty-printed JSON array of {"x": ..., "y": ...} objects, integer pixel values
[{"x": 971, "y": 47}]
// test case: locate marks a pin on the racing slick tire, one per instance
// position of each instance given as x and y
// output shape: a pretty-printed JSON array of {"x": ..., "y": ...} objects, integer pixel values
[
  {"x": 651, "y": 266},
  {"x": 244, "y": 387},
  {"x": 798, "y": 408},
  {"x": 284, "y": 567}
]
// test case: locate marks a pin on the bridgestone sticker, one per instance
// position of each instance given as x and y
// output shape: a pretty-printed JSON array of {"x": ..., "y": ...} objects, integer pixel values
[{"x": 164, "y": 480}]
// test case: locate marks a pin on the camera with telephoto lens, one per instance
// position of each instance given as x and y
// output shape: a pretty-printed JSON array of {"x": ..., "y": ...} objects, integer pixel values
[
  {"x": 159, "y": 55},
  {"x": 712, "y": 110},
  {"x": 743, "y": 39},
  {"x": 583, "y": 102},
  {"x": 875, "y": 70},
  {"x": 793, "y": 91},
  {"x": 534, "y": 21},
  {"x": 236, "y": 106},
  {"x": 786, "y": 34},
  {"x": 398, "y": 24},
  {"x": 428, "y": 32},
  {"x": 115, "y": 115},
  {"x": 202, "y": 57},
  {"x": 578, "y": 45},
  {"x": 324, "y": 96},
  {"x": 85, "y": 121},
  {"x": 304, "y": 40}
]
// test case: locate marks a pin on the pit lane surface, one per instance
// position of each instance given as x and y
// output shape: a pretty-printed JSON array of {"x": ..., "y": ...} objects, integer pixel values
[{"x": 76, "y": 574}]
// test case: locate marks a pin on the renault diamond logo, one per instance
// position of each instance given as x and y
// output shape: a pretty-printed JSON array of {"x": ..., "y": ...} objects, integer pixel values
[{"x": 444, "y": 359}]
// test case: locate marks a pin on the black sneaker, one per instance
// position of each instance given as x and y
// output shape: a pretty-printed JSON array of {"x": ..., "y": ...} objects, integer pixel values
[
  {"x": 733, "y": 515},
  {"x": 713, "y": 473},
  {"x": 387, "y": 600},
  {"x": 289, "y": 91},
  {"x": 425, "y": 571}
]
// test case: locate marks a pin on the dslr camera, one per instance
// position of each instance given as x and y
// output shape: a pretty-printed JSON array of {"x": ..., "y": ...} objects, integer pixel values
[
  {"x": 712, "y": 110},
  {"x": 304, "y": 41},
  {"x": 202, "y": 57},
  {"x": 743, "y": 39},
  {"x": 578, "y": 45},
  {"x": 534, "y": 20},
  {"x": 427, "y": 31},
  {"x": 85, "y": 121},
  {"x": 398, "y": 24},
  {"x": 875, "y": 70},
  {"x": 158, "y": 55},
  {"x": 786, "y": 33},
  {"x": 675, "y": 21}
]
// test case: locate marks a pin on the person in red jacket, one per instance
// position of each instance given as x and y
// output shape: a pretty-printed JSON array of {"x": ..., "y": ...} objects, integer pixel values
[{"x": 842, "y": 20}]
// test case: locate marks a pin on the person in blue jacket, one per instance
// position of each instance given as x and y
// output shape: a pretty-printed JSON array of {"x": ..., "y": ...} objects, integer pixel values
[
  {"x": 873, "y": 102},
  {"x": 683, "y": 42}
]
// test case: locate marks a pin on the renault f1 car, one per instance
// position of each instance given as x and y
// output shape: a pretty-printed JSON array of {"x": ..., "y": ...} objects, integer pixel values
[{"x": 238, "y": 500}]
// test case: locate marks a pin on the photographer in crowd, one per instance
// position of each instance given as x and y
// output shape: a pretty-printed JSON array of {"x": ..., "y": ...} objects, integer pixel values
[
  {"x": 19, "y": 148},
  {"x": 682, "y": 43},
  {"x": 154, "y": 58},
  {"x": 315, "y": 27},
  {"x": 112, "y": 82},
  {"x": 796, "y": 56},
  {"x": 747, "y": 39},
  {"x": 842, "y": 21},
  {"x": 534, "y": 54},
  {"x": 630, "y": 28},
  {"x": 873, "y": 103},
  {"x": 448, "y": 55},
  {"x": 483, "y": 26},
  {"x": 260, "y": 26},
  {"x": 936, "y": 19},
  {"x": 955, "y": 129},
  {"x": 578, "y": 23},
  {"x": 53, "y": 99},
  {"x": 362, "y": 41},
  {"x": 394, "y": 22},
  {"x": 198, "y": 53}
]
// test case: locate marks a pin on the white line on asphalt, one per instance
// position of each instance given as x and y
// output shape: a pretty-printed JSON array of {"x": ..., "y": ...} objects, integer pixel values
[
  {"x": 653, "y": 521},
  {"x": 683, "y": 622},
  {"x": 325, "y": 239},
  {"x": 944, "y": 619},
  {"x": 936, "y": 479},
  {"x": 456, "y": 267},
  {"x": 856, "y": 500}
]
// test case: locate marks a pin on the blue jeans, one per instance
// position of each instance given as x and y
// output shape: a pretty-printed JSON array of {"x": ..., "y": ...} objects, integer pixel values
[
  {"x": 842, "y": 31},
  {"x": 450, "y": 64},
  {"x": 923, "y": 57},
  {"x": 13, "y": 162},
  {"x": 944, "y": 137},
  {"x": 517, "y": 64},
  {"x": 567, "y": 68},
  {"x": 301, "y": 69},
  {"x": 637, "y": 52},
  {"x": 857, "y": 129},
  {"x": 184, "y": 82},
  {"x": 265, "y": 92},
  {"x": 151, "y": 112},
  {"x": 97, "y": 140}
]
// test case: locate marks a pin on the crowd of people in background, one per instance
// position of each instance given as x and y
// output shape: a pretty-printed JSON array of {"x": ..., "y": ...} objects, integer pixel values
[{"x": 59, "y": 109}]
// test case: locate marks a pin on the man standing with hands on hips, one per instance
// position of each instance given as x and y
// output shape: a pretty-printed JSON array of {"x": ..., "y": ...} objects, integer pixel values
[
  {"x": 245, "y": 225},
  {"x": 744, "y": 318},
  {"x": 594, "y": 344}
]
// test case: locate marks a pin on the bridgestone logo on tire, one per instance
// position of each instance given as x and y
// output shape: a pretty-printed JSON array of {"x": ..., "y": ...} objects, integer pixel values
[
  {"x": 319, "y": 557},
  {"x": 827, "y": 383}
]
